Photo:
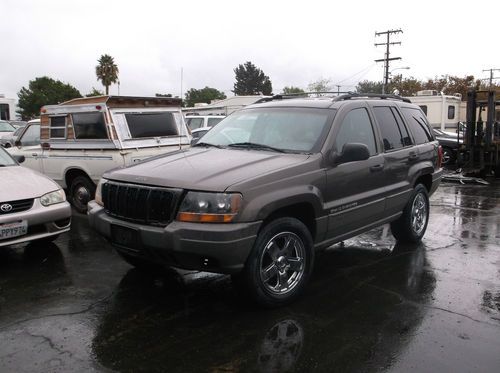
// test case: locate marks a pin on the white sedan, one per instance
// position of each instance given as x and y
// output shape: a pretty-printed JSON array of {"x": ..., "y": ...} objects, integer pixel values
[{"x": 32, "y": 206}]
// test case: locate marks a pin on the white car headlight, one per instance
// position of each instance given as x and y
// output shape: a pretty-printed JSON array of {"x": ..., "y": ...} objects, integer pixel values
[
  {"x": 200, "y": 207},
  {"x": 98, "y": 192},
  {"x": 52, "y": 198}
]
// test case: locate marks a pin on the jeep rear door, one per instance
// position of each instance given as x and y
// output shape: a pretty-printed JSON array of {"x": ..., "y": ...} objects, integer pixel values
[
  {"x": 399, "y": 156},
  {"x": 354, "y": 194}
]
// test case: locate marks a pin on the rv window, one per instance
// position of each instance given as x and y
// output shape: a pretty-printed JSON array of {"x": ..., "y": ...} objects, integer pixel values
[
  {"x": 89, "y": 126},
  {"x": 424, "y": 108},
  {"x": 451, "y": 112},
  {"x": 57, "y": 127},
  {"x": 151, "y": 125}
]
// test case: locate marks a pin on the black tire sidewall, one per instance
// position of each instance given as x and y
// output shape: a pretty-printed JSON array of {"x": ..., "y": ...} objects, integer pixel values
[
  {"x": 88, "y": 184},
  {"x": 252, "y": 268}
]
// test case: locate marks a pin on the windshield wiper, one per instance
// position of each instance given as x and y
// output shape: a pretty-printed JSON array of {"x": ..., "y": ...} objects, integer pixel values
[
  {"x": 207, "y": 144},
  {"x": 253, "y": 145}
]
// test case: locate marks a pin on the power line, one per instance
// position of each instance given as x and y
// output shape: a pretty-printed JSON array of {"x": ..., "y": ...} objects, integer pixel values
[
  {"x": 387, "y": 59},
  {"x": 491, "y": 75}
]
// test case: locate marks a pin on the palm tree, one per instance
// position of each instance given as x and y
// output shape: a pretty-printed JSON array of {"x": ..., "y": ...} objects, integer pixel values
[{"x": 106, "y": 71}]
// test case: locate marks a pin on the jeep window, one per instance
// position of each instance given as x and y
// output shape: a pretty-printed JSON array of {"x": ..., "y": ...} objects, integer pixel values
[
  {"x": 151, "y": 125},
  {"x": 418, "y": 125},
  {"x": 194, "y": 123},
  {"x": 213, "y": 121},
  {"x": 451, "y": 112},
  {"x": 57, "y": 127},
  {"x": 285, "y": 129},
  {"x": 6, "y": 127},
  {"x": 394, "y": 133},
  {"x": 356, "y": 128},
  {"x": 89, "y": 126},
  {"x": 32, "y": 136},
  {"x": 424, "y": 108}
]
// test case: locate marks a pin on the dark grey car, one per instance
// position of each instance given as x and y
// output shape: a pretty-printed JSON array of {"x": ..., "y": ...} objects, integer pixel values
[{"x": 271, "y": 184}]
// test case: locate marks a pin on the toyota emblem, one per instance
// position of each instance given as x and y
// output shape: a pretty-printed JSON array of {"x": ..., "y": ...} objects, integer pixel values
[{"x": 6, "y": 207}]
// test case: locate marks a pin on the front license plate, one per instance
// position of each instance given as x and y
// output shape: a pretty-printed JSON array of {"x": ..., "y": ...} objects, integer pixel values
[
  {"x": 15, "y": 229},
  {"x": 125, "y": 237}
]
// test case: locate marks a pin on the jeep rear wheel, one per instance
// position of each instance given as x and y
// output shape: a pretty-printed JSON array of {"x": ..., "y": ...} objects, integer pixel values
[
  {"x": 82, "y": 190},
  {"x": 411, "y": 226},
  {"x": 280, "y": 263}
]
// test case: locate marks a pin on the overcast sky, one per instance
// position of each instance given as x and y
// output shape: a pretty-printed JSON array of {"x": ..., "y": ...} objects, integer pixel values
[{"x": 293, "y": 42}]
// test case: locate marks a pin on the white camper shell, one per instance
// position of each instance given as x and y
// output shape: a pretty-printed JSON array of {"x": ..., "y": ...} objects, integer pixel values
[{"x": 82, "y": 138}]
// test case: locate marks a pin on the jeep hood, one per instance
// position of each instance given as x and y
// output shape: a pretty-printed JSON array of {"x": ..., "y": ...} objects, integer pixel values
[
  {"x": 17, "y": 182},
  {"x": 205, "y": 169}
]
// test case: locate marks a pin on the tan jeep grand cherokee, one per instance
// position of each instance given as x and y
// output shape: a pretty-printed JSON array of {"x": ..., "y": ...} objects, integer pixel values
[{"x": 271, "y": 184}]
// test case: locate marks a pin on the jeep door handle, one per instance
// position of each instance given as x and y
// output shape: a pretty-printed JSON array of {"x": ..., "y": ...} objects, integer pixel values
[
  {"x": 377, "y": 167},
  {"x": 34, "y": 154}
]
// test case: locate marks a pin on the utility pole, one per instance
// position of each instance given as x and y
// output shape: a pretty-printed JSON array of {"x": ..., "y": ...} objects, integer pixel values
[
  {"x": 491, "y": 75},
  {"x": 387, "y": 58}
]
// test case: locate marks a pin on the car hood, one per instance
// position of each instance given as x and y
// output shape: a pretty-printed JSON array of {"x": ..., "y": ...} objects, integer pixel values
[
  {"x": 17, "y": 182},
  {"x": 205, "y": 169}
]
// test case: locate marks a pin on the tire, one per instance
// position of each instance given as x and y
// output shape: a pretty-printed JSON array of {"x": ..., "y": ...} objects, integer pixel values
[
  {"x": 448, "y": 156},
  {"x": 411, "y": 226},
  {"x": 280, "y": 263},
  {"x": 82, "y": 190}
]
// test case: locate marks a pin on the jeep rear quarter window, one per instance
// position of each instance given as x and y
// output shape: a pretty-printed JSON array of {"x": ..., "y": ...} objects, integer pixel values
[
  {"x": 418, "y": 125},
  {"x": 194, "y": 123},
  {"x": 213, "y": 121},
  {"x": 151, "y": 125}
]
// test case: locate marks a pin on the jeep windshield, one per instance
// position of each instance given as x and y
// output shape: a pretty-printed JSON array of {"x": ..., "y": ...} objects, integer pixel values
[{"x": 294, "y": 130}]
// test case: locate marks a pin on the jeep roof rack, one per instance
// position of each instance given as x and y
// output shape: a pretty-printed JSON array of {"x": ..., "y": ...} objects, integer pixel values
[
  {"x": 338, "y": 96},
  {"x": 381, "y": 96}
]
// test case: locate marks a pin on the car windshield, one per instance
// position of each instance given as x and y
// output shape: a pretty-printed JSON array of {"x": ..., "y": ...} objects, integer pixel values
[
  {"x": 6, "y": 159},
  {"x": 6, "y": 127},
  {"x": 295, "y": 130}
]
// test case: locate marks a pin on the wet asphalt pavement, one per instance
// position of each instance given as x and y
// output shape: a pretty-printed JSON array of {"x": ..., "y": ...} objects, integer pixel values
[{"x": 75, "y": 306}]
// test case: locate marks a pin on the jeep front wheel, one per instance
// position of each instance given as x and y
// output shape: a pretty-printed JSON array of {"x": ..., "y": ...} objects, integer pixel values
[
  {"x": 411, "y": 226},
  {"x": 280, "y": 263}
]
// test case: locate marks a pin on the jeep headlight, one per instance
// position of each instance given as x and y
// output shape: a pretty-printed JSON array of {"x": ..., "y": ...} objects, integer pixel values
[
  {"x": 52, "y": 198},
  {"x": 200, "y": 207},
  {"x": 98, "y": 192}
]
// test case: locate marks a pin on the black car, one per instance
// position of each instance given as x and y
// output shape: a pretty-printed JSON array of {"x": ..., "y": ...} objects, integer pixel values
[{"x": 450, "y": 143}]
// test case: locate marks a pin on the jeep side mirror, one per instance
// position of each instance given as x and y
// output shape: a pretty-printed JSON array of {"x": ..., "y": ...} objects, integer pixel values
[
  {"x": 352, "y": 152},
  {"x": 19, "y": 158}
]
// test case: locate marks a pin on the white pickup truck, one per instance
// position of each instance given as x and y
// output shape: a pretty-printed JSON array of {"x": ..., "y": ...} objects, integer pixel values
[{"x": 76, "y": 141}]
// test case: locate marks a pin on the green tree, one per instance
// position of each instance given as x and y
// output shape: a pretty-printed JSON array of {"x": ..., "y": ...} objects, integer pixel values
[
  {"x": 94, "y": 92},
  {"x": 405, "y": 87},
  {"x": 292, "y": 90},
  {"x": 207, "y": 94},
  {"x": 321, "y": 85},
  {"x": 250, "y": 80},
  {"x": 367, "y": 86},
  {"x": 106, "y": 71},
  {"x": 43, "y": 91}
]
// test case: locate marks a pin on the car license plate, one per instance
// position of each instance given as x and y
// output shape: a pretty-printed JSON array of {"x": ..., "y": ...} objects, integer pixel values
[
  {"x": 125, "y": 237},
  {"x": 15, "y": 229}
]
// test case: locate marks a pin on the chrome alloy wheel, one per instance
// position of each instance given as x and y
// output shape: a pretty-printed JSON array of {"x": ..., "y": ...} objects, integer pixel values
[
  {"x": 418, "y": 214},
  {"x": 282, "y": 263}
]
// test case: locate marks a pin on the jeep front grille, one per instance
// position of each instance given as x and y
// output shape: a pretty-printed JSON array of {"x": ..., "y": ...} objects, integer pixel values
[
  {"x": 140, "y": 204},
  {"x": 11, "y": 207}
]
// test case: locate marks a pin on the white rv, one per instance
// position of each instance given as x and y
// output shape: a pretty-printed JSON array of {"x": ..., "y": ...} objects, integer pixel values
[
  {"x": 442, "y": 111},
  {"x": 7, "y": 108}
]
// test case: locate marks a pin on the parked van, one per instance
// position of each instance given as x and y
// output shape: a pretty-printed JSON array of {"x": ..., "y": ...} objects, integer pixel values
[{"x": 82, "y": 138}]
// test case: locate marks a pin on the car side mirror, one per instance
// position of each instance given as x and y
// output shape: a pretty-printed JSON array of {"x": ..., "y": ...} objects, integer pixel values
[
  {"x": 19, "y": 158},
  {"x": 17, "y": 143},
  {"x": 353, "y": 152}
]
